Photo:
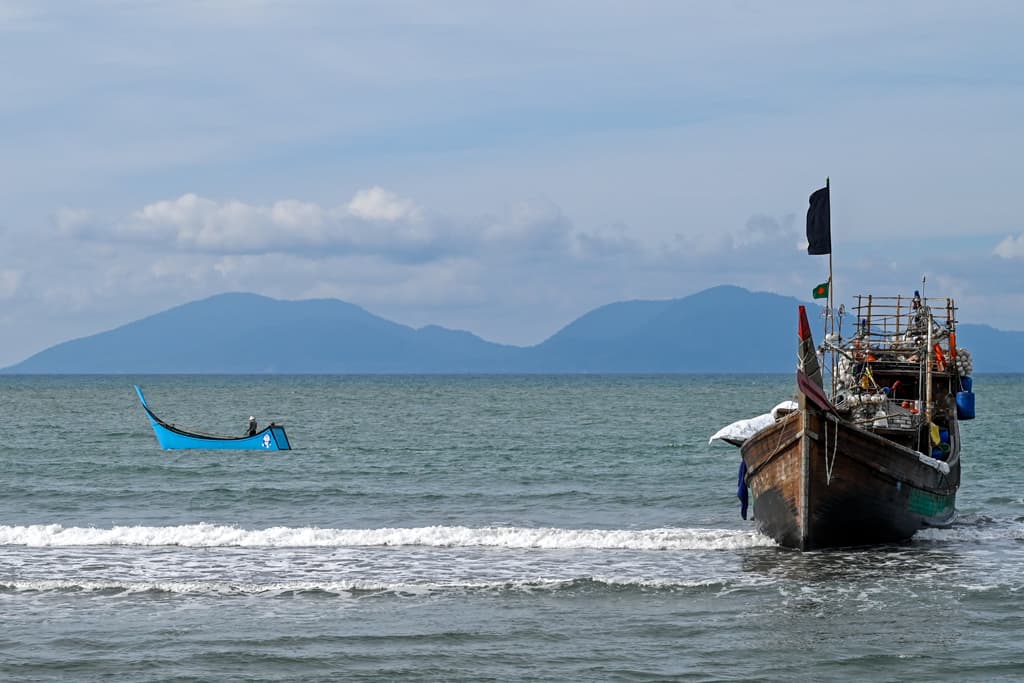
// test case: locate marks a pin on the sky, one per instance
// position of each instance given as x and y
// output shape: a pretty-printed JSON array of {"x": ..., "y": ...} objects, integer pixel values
[{"x": 501, "y": 167}]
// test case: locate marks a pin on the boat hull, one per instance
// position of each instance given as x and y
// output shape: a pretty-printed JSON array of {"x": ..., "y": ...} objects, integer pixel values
[
  {"x": 172, "y": 437},
  {"x": 269, "y": 439},
  {"x": 819, "y": 482}
]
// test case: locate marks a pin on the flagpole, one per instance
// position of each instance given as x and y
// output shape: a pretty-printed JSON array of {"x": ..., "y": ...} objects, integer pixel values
[
  {"x": 833, "y": 365},
  {"x": 829, "y": 191},
  {"x": 819, "y": 242}
]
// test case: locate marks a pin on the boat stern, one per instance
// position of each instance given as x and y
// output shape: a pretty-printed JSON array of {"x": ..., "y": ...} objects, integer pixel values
[{"x": 279, "y": 437}]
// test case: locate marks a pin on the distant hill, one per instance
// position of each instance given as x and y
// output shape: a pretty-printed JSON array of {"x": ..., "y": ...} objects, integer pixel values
[
  {"x": 720, "y": 330},
  {"x": 246, "y": 333},
  {"x": 992, "y": 350}
]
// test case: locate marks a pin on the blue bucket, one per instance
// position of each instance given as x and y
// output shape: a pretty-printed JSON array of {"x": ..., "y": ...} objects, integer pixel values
[
  {"x": 966, "y": 384},
  {"x": 965, "y": 405}
]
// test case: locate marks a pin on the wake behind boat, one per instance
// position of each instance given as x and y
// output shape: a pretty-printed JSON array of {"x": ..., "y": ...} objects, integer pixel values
[
  {"x": 878, "y": 457},
  {"x": 173, "y": 437}
]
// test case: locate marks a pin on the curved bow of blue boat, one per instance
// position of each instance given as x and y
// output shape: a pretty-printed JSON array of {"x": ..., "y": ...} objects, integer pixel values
[{"x": 172, "y": 437}]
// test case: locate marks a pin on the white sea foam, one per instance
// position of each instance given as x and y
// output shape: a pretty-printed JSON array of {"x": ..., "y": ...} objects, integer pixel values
[
  {"x": 116, "y": 586},
  {"x": 974, "y": 533},
  {"x": 213, "y": 535},
  {"x": 192, "y": 586}
]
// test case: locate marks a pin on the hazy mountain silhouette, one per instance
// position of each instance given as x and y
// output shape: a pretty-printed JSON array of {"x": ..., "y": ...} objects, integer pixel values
[
  {"x": 992, "y": 350},
  {"x": 720, "y": 330},
  {"x": 246, "y": 333},
  {"x": 723, "y": 329}
]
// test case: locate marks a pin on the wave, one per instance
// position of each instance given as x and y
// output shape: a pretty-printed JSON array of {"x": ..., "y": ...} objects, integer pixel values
[
  {"x": 975, "y": 531},
  {"x": 206, "y": 535},
  {"x": 354, "y": 588}
]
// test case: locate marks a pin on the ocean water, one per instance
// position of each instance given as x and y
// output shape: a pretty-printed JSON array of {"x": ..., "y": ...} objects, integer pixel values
[{"x": 470, "y": 529}]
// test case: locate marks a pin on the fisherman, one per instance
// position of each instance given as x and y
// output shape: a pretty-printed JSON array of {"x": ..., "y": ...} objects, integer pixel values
[{"x": 252, "y": 426}]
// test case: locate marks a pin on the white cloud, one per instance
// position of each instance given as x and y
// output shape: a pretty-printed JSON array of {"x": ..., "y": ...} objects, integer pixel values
[
  {"x": 609, "y": 242},
  {"x": 1011, "y": 247},
  {"x": 383, "y": 225},
  {"x": 534, "y": 229},
  {"x": 375, "y": 221},
  {"x": 377, "y": 204}
]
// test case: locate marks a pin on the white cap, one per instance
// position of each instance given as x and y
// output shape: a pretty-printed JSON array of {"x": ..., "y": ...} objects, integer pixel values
[{"x": 251, "y": 417}]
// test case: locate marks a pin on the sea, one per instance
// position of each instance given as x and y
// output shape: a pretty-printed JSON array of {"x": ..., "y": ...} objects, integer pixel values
[{"x": 470, "y": 528}]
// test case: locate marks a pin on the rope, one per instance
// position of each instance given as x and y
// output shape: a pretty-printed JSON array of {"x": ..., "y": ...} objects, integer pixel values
[
  {"x": 782, "y": 434},
  {"x": 830, "y": 466}
]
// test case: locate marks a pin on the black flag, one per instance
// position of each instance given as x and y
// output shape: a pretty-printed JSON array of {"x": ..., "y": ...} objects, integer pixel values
[{"x": 819, "y": 223}]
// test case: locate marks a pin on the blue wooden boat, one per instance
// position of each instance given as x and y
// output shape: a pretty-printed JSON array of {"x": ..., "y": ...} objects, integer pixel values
[{"x": 173, "y": 437}]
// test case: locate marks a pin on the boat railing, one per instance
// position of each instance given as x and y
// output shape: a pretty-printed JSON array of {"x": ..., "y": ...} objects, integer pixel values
[{"x": 894, "y": 321}]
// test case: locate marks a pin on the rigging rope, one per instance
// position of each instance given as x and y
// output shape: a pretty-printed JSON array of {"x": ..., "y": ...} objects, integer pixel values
[{"x": 830, "y": 466}]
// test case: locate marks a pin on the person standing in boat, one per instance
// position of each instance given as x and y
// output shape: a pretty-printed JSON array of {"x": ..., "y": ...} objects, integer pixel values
[{"x": 252, "y": 426}]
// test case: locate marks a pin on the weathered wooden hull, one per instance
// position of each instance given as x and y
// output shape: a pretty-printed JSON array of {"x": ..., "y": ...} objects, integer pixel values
[{"x": 820, "y": 482}]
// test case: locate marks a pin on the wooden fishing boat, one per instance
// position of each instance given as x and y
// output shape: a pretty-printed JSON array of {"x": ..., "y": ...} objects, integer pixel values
[
  {"x": 877, "y": 457},
  {"x": 880, "y": 458},
  {"x": 173, "y": 437}
]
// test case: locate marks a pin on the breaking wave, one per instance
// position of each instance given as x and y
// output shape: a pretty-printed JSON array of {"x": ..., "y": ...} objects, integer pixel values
[
  {"x": 212, "y": 535},
  {"x": 354, "y": 588}
]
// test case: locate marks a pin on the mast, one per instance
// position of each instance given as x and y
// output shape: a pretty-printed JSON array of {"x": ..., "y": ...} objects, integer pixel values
[
  {"x": 819, "y": 242},
  {"x": 928, "y": 368},
  {"x": 833, "y": 360},
  {"x": 829, "y": 191}
]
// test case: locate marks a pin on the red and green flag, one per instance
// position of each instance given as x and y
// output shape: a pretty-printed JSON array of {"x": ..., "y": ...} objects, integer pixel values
[{"x": 821, "y": 291}]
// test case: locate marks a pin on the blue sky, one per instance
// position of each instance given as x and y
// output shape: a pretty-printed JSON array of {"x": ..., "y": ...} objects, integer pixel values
[{"x": 500, "y": 167}]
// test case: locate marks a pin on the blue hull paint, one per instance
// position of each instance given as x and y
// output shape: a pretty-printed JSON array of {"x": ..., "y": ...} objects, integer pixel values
[{"x": 171, "y": 437}]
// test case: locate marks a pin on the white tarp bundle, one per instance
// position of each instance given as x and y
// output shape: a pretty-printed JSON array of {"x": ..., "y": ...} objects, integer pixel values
[{"x": 741, "y": 430}]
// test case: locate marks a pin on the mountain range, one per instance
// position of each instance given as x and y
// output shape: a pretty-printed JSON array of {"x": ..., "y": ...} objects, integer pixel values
[{"x": 724, "y": 329}]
